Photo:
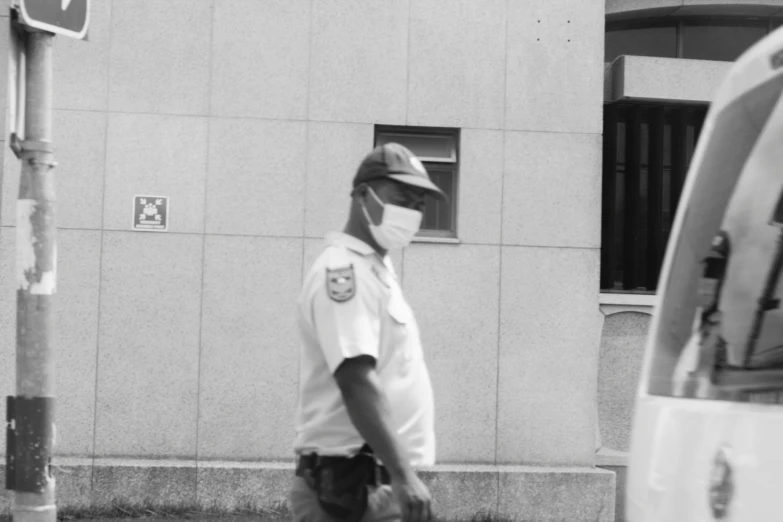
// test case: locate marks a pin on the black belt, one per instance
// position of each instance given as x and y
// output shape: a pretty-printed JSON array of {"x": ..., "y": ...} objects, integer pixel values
[{"x": 379, "y": 476}]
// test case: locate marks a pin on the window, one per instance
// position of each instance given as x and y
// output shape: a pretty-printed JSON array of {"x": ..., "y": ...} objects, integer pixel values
[
  {"x": 644, "y": 41},
  {"x": 715, "y": 38},
  {"x": 438, "y": 150},
  {"x": 720, "y": 332},
  {"x": 647, "y": 150},
  {"x": 720, "y": 40}
]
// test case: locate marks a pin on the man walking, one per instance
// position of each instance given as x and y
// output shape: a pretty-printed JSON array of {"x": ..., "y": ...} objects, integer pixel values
[{"x": 365, "y": 415}]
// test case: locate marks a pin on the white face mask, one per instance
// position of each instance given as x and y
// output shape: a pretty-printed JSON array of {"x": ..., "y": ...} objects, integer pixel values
[{"x": 398, "y": 224}]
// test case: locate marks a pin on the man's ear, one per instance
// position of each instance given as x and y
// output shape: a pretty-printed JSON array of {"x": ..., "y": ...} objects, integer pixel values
[{"x": 360, "y": 191}]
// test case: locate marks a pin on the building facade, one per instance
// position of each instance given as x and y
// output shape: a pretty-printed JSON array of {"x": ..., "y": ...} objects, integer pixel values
[{"x": 178, "y": 350}]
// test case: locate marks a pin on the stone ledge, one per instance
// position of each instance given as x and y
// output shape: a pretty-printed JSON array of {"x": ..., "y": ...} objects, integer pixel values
[
  {"x": 674, "y": 80},
  {"x": 529, "y": 493}
]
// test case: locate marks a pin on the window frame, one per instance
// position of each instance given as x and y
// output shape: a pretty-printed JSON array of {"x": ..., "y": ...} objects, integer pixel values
[{"x": 451, "y": 164}]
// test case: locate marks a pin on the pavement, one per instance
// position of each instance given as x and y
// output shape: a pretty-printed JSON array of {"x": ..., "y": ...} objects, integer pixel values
[
  {"x": 182, "y": 518},
  {"x": 177, "y": 518}
]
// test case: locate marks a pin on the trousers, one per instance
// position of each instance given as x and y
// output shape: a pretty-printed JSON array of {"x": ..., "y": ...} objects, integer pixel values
[{"x": 381, "y": 505}]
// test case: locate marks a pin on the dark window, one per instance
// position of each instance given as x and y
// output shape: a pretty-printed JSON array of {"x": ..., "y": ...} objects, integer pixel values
[
  {"x": 723, "y": 41},
  {"x": 644, "y": 41},
  {"x": 647, "y": 150},
  {"x": 438, "y": 150}
]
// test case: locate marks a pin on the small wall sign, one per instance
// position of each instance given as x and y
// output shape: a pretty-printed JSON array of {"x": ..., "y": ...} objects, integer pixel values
[{"x": 151, "y": 213}]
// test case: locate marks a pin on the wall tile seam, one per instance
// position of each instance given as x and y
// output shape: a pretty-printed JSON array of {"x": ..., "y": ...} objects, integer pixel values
[
  {"x": 204, "y": 238},
  {"x": 408, "y": 66},
  {"x": 335, "y": 122},
  {"x": 500, "y": 255},
  {"x": 162, "y": 114},
  {"x": 498, "y": 346},
  {"x": 108, "y": 64},
  {"x": 551, "y": 247},
  {"x": 102, "y": 238},
  {"x": 306, "y": 142},
  {"x": 309, "y": 58},
  {"x": 279, "y": 463},
  {"x": 499, "y": 342},
  {"x": 321, "y": 238}
]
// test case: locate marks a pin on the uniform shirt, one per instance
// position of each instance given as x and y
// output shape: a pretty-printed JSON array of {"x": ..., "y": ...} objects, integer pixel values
[{"x": 351, "y": 304}]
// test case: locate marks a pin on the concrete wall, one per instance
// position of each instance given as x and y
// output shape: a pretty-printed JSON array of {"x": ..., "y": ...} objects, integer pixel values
[
  {"x": 252, "y": 117},
  {"x": 622, "y": 348}
]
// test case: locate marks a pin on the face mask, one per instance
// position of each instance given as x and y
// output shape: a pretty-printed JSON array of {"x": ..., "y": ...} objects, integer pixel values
[{"x": 398, "y": 224}]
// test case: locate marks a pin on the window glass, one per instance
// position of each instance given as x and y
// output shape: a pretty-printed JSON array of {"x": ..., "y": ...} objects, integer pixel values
[
  {"x": 666, "y": 183},
  {"x": 426, "y": 148},
  {"x": 734, "y": 350},
  {"x": 644, "y": 195},
  {"x": 438, "y": 215},
  {"x": 721, "y": 42},
  {"x": 649, "y": 41},
  {"x": 619, "y": 207}
]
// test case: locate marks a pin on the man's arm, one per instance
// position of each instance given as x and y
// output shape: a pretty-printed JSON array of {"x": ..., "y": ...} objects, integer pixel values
[{"x": 370, "y": 413}]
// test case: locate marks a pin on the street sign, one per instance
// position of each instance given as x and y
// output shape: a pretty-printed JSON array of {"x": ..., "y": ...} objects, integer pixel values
[
  {"x": 151, "y": 213},
  {"x": 65, "y": 17}
]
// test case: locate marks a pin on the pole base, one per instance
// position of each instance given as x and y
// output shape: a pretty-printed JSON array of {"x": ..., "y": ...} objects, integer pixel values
[{"x": 35, "y": 507}]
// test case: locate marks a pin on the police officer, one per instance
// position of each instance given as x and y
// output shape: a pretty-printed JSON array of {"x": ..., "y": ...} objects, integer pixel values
[{"x": 364, "y": 420}]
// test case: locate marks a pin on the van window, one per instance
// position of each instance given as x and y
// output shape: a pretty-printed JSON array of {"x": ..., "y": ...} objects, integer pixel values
[{"x": 735, "y": 350}]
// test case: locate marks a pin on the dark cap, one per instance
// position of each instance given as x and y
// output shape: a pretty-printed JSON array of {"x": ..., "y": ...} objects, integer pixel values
[{"x": 396, "y": 162}]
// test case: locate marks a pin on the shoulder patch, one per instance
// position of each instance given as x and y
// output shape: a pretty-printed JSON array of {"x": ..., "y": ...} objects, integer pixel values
[{"x": 341, "y": 283}]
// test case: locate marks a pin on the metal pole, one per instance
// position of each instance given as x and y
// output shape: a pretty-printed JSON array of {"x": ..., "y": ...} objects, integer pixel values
[{"x": 36, "y": 265}]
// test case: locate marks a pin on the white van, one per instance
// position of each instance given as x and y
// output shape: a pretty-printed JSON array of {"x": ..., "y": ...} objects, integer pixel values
[{"x": 707, "y": 440}]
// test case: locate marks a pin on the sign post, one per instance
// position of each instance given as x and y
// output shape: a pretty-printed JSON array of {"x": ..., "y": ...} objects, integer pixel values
[
  {"x": 36, "y": 276},
  {"x": 30, "y": 430}
]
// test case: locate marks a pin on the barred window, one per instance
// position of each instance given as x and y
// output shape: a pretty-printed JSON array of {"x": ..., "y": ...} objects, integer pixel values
[{"x": 647, "y": 150}]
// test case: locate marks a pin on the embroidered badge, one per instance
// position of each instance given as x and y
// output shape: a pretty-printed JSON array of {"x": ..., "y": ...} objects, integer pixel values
[{"x": 341, "y": 284}]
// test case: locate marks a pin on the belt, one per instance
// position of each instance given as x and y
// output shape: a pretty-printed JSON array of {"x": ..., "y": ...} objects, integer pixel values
[{"x": 312, "y": 461}]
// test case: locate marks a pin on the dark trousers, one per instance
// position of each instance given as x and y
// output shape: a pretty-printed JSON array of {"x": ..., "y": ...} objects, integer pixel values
[{"x": 381, "y": 505}]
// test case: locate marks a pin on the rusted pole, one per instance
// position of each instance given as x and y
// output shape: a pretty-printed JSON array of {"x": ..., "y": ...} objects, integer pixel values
[{"x": 32, "y": 409}]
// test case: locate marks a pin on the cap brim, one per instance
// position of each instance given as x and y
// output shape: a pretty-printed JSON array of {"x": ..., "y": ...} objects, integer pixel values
[{"x": 418, "y": 181}]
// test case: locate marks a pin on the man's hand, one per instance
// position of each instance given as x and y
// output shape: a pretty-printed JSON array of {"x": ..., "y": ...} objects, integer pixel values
[{"x": 413, "y": 498}]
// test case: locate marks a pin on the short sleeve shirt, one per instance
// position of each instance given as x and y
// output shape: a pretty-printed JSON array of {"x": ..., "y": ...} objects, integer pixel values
[{"x": 351, "y": 305}]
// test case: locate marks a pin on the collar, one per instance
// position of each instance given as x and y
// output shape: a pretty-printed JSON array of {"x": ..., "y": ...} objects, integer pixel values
[{"x": 350, "y": 242}]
